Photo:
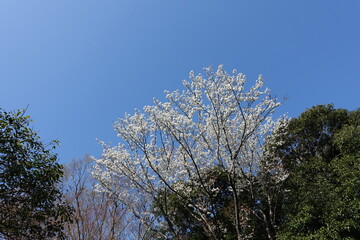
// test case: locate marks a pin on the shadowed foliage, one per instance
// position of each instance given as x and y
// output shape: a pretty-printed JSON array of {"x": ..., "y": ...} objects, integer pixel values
[
  {"x": 30, "y": 201},
  {"x": 322, "y": 155}
]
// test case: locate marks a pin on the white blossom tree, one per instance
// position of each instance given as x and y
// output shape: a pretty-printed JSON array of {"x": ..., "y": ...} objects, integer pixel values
[{"x": 216, "y": 122}]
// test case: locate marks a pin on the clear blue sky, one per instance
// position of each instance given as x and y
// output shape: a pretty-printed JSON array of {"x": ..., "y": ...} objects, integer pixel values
[{"x": 81, "y": 64}]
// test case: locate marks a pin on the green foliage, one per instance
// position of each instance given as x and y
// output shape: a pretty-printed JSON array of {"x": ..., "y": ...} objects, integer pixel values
[
  {"x": 181, "y": 214},
  {"x": 322, "y": 154},
  {"x": 218, "y": 201},
  {"x": 30, "y": 201}
]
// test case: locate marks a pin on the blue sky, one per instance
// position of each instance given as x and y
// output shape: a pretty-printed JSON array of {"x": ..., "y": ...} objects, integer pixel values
[{"x": 81, "y": 64}]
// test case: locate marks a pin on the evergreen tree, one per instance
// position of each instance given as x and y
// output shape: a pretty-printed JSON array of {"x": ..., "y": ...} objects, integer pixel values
[{"x": 30, "y": 201}]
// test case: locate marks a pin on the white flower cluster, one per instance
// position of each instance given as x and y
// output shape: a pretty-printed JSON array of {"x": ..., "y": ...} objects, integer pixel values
[{"x": 215, "y": 122}]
